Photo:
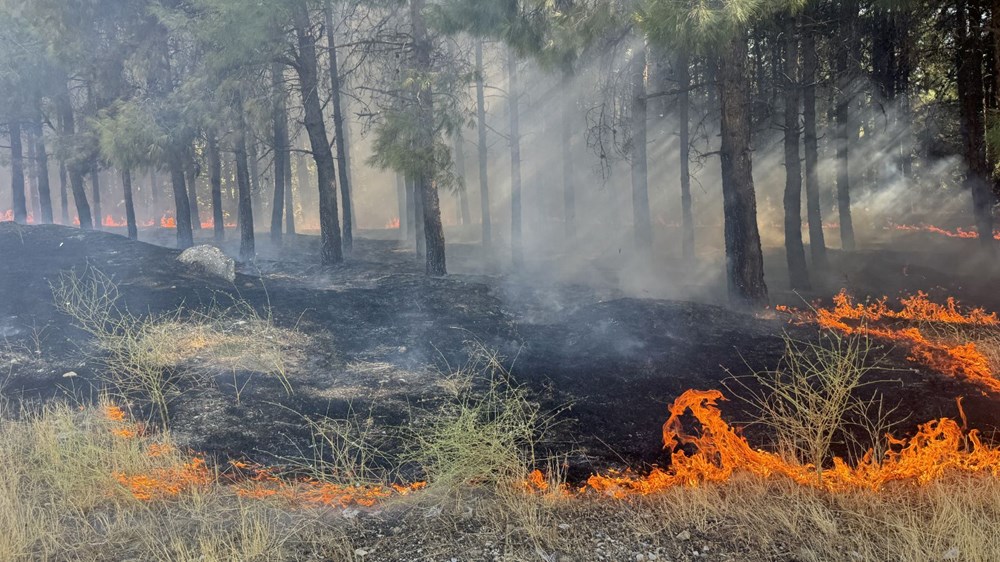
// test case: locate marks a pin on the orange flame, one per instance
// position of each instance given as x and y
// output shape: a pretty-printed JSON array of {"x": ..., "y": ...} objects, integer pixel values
[
  {"x": 957, "y": 233},
  {"x": 393, "y": 224},
  {"x": 877, "y": 319},
  {"x": 938, "y": 447}
]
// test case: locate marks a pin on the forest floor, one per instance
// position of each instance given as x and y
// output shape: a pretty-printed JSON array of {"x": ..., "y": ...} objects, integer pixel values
[{"x": 380, "y": 339}]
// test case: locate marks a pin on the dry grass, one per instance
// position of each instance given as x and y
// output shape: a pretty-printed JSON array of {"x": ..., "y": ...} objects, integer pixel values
[
  {"x": 148, "y": 357},
  {"x": 61, "y": 499}
]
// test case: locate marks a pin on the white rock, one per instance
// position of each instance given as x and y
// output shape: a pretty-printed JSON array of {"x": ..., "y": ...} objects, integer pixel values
[
  {"x": 683, "y": 536},
  {"x": 69, "y": 374},
  {"x": 360, "y": 552},
  {"x": 952, "y": 553},
  {"x": 210, "y": 261}
]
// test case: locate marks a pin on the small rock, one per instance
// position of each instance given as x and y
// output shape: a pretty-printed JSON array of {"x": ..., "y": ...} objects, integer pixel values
[
  {"x": 952, "y": 553},
  {"x": 360, "y": 552},
  {"x": 563, "y": 526},
  {"x": 683, "y": 536},
  {"x": 69, "y": 375},
  {"x": 210, "y": 261},
  {"x": 640, "y": 558}
]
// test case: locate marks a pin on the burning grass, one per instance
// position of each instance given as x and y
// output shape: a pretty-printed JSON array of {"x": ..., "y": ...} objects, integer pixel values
[
  {"x": 947, "y": 338},
  {"x": 147, "y": 357}
]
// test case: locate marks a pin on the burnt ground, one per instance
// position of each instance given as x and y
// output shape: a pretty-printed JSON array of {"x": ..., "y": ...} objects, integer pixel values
[{"x": 381, "y": 335}]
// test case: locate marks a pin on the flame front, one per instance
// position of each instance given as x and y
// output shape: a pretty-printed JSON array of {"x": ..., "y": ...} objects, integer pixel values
[{"x": 939, "y": 447}]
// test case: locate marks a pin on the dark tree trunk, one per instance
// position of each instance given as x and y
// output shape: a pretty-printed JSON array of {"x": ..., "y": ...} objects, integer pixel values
[
  {"x": 426, "y": 186},
  {"x": 32, "y": 174},
  {"x": 341, "y": 135},
  {"x": 463, "y": 188},
  {"x": 817, "y": 239},
  {"x": 63, "y": 182},
  {"x": 516, "y": 247},
  {"x": 484, "y": 184},
  {"x": 795, "y": 252},
  {"x": 215, "y": 179},
  {"x": 972, "y": 103},
  {"x": 640, "y": 174},
  {"x": 253, "y": 159},
  {"x": 192, "y": 186},
  {"x": 307, "y": 68},
  {"x": 842, "y": 61},
  {"x": 133, "y": 229},
  {"x": 74, "y": 168},
  {"x": 42, "y": 172},
  {"x": 744, "y": 259},
  {"x": 247, "y": 250},
  {"x": 182, "y": 206},
  {"x": 19, "y": 204},
  {"x": 279, "y": 119},
  {"x": 95, "y": 184},
  {"x": 684, "y": 128}
]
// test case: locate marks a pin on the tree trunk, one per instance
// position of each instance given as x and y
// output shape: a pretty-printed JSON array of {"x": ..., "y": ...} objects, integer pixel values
[
  {"x": 192, "y": 186},
  {"x": 63, "y": 194},
  {"x": 684, "y": 142},
  {"x": 307, "y": 68},
  {"x": 843, "y": 117},
  {"x": 972, "y": 104},
  {"x": 279, "y": 119},
  {"x": 817, "y": 239},
  {"x": 247, "y": 247},
  {"x": 253, "y": 159},
  {"x": 640, "y": 178},
  {"x": 32, "y": 175},
  {"x": 75, "y": 169},
  {"x": 95, "y": 184},
  {"x": 517, "y": 250},
  {"x": 341, "y": 136},
  {"x": 133, "y": 229},
  {"x": 744, "y": 259},
  {"x": 20, "y": 204},
  {"x": 182, "y": 205},
  {"x": 427, "y": 187},
  {"x": 463, "y": 188},
  {"x": 484, "y": 184},
  {"x": 795, "y": 252},
  {"x": 42, "y": 172},
  {"x": 215, "y": 178}
]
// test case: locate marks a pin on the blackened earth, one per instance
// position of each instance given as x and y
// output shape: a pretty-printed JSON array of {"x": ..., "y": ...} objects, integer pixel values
[{"x": 383, "y": 335}]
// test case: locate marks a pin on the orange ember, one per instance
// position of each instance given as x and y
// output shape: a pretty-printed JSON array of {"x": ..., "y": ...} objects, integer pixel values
[
  {"x": 908, "y": 326},
  {"x": 167, "y": 482},
  {"x": 393, "y": 224},
  {"x": 110, "y": 222},
  {"x": 168, "y": 222}
]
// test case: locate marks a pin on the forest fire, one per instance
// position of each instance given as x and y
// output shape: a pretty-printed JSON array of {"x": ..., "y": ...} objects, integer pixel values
[
  {"x": 956, "y": 233},
  {"x": 933, "y": 332},
  {"x": 938, "y": 447}
]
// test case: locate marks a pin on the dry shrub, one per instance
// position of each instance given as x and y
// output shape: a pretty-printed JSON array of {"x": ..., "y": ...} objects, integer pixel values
[
  {"x": 483, "y": 436},
  {"x": 146, "y": 357},
  {"x": 816, "y": 398}
]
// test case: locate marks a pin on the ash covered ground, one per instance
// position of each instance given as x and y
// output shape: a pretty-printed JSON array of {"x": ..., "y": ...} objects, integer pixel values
[{"x": 383, "y": 336}]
